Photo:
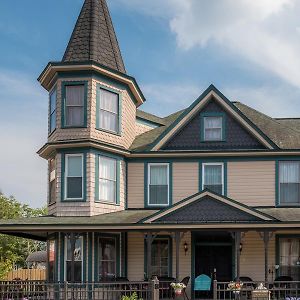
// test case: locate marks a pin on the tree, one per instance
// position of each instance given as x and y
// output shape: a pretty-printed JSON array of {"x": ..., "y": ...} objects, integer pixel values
[{"x": 14, "y": 250}]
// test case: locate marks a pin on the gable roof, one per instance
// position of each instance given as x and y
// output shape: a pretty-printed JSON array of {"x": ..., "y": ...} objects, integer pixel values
[
  {"x": 207, "y": 206},
  {"x": 94, "y": 38}
]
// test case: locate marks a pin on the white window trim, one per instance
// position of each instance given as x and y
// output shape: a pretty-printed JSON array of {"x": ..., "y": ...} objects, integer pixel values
[
  {"x": 115, "y": 181},
  {"x": 65, "y": 257},
  {"x": 212, "y": 140},
  {"x": 148, "y": 183},
  {"x": 213, "y": 164},
  {"x": 66, "y": 169}
]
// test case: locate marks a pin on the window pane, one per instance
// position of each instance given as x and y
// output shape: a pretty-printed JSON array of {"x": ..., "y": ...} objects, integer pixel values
[
  {"x": 53, "y": 102},
  {"x": 109, "y": 121},
  {"x": 75, "y": 116},
  {"x": 107, "y": 190},
  {"x": 74, "y": 166},
  {"x": 212, "y": 174},
  {"x": 158, "y": 175},
  {"x": 213, "y": 128},
  {"x": 213, "y": 134},
  {"x": 77, "y": 271},
  {"x": 107, "y": 258},
  {"x": 74, "y": 187},
  {"x": 212, "y": 122},
  {"x": 52, "y": 121},
  {"x": 75, "y": 95},
  {"x": 107, "y": 168},
  {"x": 51, "y": 259},
  {"x": 109, "y": 101},
  {"x": 160, "y": 257},
  {"x": 158, "y": 194},
  {"x": 289, "y": 180}
]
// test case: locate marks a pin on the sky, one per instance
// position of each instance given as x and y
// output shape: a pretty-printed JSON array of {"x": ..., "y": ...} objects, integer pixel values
[{"x": 175, "y": 49}]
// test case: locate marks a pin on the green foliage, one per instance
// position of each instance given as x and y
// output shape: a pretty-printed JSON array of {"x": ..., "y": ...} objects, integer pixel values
[
  {"x": 133, "y": 296},
  {"x": 14, "y": 250}
]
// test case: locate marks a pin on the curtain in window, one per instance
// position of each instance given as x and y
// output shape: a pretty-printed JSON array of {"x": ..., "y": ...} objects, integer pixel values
[
  {"x": 107, "y": 258},
  {"x": 158, "y": 184},
  {"x": 289, "y": 177},
  {"x": 75, "y": 105},
  {"x": 212, "y": 128},
  {"x": 74, "y": 176},
  {"x": 213, "y": 178},
  {"x": 109, "y": 110},
  {"x": 107, "y": 179}
]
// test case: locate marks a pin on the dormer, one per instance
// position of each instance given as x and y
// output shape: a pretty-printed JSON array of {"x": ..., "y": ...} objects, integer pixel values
[{"x": 91, "y": 97}]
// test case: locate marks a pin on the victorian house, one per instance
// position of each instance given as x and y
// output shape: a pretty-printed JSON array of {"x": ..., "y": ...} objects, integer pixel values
[{"x": 212, "y": 189}]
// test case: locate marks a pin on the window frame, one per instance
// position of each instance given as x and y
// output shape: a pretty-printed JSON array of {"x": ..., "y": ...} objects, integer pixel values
[
  {"x": 54, "y": 90},
  {"x": 148, "y": 184},
  {"x": 65, "y": 198},
  {"x": 53, "y": 181},
  {"x": 202, "y": 127},
  {"x": 63, "y": 108},
  {"x": 66, "y": 255},
  {"x": 279, "y": 203},
  {"x": 98, "y": 100},
  {"x": 213, "y": 164}
]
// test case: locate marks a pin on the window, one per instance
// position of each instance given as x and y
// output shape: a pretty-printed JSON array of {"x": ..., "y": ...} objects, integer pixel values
[
  {"x": 107, "y": 179},
  {"x": 213, "y": 177},
  {"x": 213, "y": 128},
  {"x": 289, "y": 257},
  {"x": 289, "y": 182},
  {"x": 73, "y": 258},
  {"x": 52, "y": 181},
  {"x": 51, "y": 260},
  {"x": 52, "y": 111},
  {"x": 160, "y": 259},
  {"x": 107, "y": 258},
  {"x": 158, "y": 184},
  {"x": 74, "y": 176},
  {"x": 109, "y": 111},
  {"x": 74, "y": 105}
]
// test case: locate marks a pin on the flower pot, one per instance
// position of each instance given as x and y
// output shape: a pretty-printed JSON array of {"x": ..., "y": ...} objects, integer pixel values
[{"x": 178, "y": 292}]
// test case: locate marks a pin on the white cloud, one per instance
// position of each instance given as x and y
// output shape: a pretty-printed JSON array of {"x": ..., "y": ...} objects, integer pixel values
[{"x": 23, "y": 118}]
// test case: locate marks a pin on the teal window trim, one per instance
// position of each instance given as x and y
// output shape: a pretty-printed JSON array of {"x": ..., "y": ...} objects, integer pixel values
[
  {"x": 54, "y": 90},
  {"x": 224, "y": 175},
  {"x": 117, "y": 238},
  {"x": 118, "y": 172},
  {"x": 146, "y": 186},
  {"x": 170, "y": 258},
  {"x": 64, "y": 84},
  {"x": 98, "y": 99},
  {"x": 84, "y": 179},
  {"x": 90, "y": 253},
  {"x": 202, "y": 129}
]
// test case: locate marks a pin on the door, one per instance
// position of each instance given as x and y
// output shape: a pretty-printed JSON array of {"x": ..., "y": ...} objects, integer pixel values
[{"x": 214, "y": 257}]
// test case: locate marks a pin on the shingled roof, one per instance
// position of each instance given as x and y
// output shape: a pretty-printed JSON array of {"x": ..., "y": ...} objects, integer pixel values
[{"x": 94, "y": 38}]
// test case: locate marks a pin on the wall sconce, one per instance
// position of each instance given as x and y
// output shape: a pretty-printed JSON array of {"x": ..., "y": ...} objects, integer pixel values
[
  {"x": 241, "y": 247},
  {"x": 185, "y": 248}
]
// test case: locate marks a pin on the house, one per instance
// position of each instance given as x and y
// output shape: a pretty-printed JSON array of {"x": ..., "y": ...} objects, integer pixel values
[{"x": 213, "y": 189}]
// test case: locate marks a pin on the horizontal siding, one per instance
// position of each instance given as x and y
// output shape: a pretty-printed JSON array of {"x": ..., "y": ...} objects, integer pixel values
[
  {"x": 141, "y": 128},
  {"x": 135, "y": 185},
  {"x": 252, "y": 182},
  {"x": 185, "y": 180}
]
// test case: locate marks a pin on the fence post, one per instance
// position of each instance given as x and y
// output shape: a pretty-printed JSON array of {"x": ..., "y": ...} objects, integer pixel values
[
  {"x": 155, "y": 288},
  {"x": 65, "y": 290},
  {"x": 215, "y": 290}
]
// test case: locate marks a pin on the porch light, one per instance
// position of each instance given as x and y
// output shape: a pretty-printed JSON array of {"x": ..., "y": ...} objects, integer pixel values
[
  {"x": 241, "y": 247},
  {"x": 185, "y": 247}
]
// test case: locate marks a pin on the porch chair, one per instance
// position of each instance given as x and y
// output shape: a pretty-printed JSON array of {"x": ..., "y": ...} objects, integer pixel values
[
  {"x": 202, "y": 283},
  {"x": 185, "y": 281}
]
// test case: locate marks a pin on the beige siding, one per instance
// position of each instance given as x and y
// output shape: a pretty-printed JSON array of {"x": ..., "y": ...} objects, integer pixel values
[
  {"x": 252, "y": 182},
  {"x": 135, "y": 185},
  {"x": 141, "y": 128},
  {"x": 185, "y": 180}
]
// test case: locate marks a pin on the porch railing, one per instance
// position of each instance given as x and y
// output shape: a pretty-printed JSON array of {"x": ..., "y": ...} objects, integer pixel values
[
  {"x": 279, "y": 290},
  {"x": 42, "y": 290}
]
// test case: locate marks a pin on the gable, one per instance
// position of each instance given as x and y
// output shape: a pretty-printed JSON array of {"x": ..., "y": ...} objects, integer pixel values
[
  {"x": 236, "y": 137},
  {"x": 208, "y": 209}
]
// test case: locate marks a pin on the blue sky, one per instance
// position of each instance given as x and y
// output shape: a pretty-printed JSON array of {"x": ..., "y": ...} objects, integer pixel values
[{"x": 174, "y": 48}]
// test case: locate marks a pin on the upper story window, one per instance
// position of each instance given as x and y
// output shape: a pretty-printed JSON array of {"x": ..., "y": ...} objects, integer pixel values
[
  {"x": 107, "y": 179},
  {"x": 74, "y": 177},
  {"x": 213, "y": 177},
  {"x": 52, "y": 111},
  {"x": 52, "y": 181},
  {"x": 74, "y": 108},
  {"x": 158, "y": 184},
  {"x": 289, "y": 182},
  {"x": 213, "y": 128},
  {"x": 108, "y": 111}
]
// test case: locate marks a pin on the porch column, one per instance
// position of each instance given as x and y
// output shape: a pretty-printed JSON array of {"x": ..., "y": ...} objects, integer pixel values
[
  {"x": 267, "y": 235},
  {"x": 177, "y": 241},
  {"x": 237, "y": 253},
  {"x": 149, "y": 239}
]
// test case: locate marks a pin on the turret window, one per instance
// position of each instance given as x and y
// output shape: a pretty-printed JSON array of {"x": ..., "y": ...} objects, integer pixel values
[{"x": 52, "y": 111}]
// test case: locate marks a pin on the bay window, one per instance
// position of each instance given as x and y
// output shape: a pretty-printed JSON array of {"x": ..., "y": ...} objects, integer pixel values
[
  {"x": 289, "y": 182},
  {"x": 52, "y": 111},
  {"x": 158, "y": 184},
  {"x": 73, "y": 176},
  {"x": 213, "y": 177}
]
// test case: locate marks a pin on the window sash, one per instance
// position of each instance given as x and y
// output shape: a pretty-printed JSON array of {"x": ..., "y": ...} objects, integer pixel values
[
  {"x": 213, "y": 127},
  {"x": 158, "y": 185},
  {"x": 52, "y": 111},
  {"x": 160, "y": 261},
  {"x": 73, "y": 179},
  {"x": 289, "y": 182},
  {"x": 213, "y": 180}
]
